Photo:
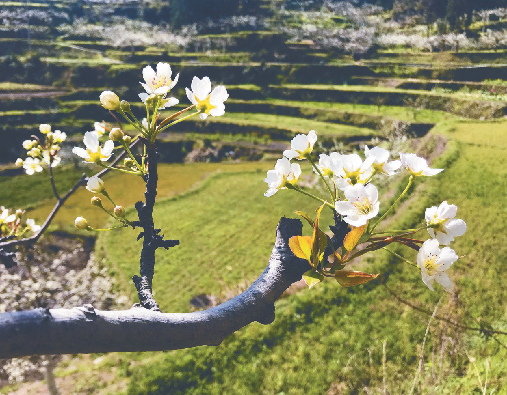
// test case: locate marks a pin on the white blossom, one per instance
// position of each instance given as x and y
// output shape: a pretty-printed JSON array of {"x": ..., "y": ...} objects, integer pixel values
[
  {"x": 207, "y": 101},
  {"x": 301, "y": 145},
  {"x": 434, "y": 262},
  {"x": 158, "y": 83},
  {"x": 31, "y": 226},
  {"x": 28, "y": 144},
  {"x": 59, "y": 136},
  {"x": 284, "y": 173},
  {"x": 99, "y": 128},
  {"x": 5, "y": 218},
  {"x": 381, "y": 164},
  {"x": 32, "y": 165},
  {"x": 417, "y": 166},
  {"x": 361, "y": 205},
  {"x": 442, "y": 225},
  {"x": 45, "y": 128},
  {"x": 165, "y": 103},
  {"x": 353, "y": 171},
  {"x": 93, "y": 152},
  {"x": 329, "y": 164},
  {"x": 81, "y": 223},
  {"x": 109, "y": 100}
]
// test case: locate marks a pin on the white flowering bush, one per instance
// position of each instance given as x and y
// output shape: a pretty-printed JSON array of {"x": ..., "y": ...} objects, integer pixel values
[{"x": 355, "y": 204}]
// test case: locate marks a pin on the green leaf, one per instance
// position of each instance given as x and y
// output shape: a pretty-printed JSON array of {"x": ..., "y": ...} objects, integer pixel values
[
  {"x": 307, "y": 217},
  {"x": 312, "y": 278},
  {"x": 319, "y": 241}
]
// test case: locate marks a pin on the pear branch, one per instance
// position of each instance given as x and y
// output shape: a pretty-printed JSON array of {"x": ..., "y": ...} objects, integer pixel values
[{"x": 86, "y": 330}]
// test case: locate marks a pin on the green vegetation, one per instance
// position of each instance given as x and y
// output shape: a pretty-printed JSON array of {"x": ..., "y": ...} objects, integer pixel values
[
  {"x": 296, "y": 125},
  {"x": 312, "y": 326},
  {"x": 327, "y": 339}
]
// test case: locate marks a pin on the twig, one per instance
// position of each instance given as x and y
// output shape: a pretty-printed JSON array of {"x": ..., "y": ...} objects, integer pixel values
[
  {"x": 384, "y": 376},
  {"x": 421, "y": 358},
  {"x": 59, "y": 203},
  {"x": 455, "y": 323},
  {"x": 52, "y": 179}
]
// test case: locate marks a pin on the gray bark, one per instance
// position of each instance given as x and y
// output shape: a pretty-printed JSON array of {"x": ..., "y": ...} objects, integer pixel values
[{"x": 86, "y": 330}]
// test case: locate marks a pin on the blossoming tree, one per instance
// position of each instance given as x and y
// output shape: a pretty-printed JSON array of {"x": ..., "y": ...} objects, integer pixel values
[{"x": 353, "y": 201}]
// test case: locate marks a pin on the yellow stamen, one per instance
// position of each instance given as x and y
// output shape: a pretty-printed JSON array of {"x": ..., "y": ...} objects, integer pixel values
[
  {"x": 430, "y": 265},
  {"x": 204, "y": 105},
  {"x": 94, "y": 156},
  {"x": 363, "y": 207}
]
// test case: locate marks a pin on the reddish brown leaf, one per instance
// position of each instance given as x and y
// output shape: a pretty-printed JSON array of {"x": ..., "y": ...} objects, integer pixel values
[{"x": 349, "y": 278}]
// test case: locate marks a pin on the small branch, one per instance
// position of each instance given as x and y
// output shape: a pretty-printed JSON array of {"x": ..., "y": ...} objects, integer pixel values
[
  {"x": 60, "y": 202},
  {"x": 33, "y": 239},
  {"x": 421, "y": 358},
  {"x": 455, "y": 323},
  {"x": 151, "y": 237},
  {"x": 52, "y": 179},
  {"x": 86, "y": 330}
]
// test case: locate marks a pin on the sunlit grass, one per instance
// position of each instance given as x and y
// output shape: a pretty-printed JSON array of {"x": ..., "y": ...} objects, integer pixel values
[
  {"x": 329, "y": 334},
  {"x": 294, "y": 124},
  {"x": 35, "y": 194}
]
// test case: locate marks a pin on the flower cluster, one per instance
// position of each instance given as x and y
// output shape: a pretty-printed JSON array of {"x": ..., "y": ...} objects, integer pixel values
[
  {"x": 157, "y": 84},
  {"x": 348, "y": 173},
  {"x": 42, "y": 154},
  {"x": 11, "y": 224},
  {"x": 442, "y": 227},
  {"x": 348, "y": 178}
]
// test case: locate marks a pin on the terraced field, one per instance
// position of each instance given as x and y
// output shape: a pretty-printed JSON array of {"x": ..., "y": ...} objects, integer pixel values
[{"x": 327, "y": 339}]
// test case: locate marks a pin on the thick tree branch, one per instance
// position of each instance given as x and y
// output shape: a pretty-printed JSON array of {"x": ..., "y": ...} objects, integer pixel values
[{"x": 85, "y": 330}]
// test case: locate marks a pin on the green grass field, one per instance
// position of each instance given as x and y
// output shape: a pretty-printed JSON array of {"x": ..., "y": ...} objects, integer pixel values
[{"x": 331, "y": 337}]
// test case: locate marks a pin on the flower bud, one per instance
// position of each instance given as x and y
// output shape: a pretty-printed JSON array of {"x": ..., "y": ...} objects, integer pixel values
[
  {"x": 128, "y": 162},
  {"x": 109, "y": 100},
  {"x": 127, "y": 139},
  {"x": 45, "y": 128},
  {"x": 95, "y": 185},
  {"x": 116, "y": 134},
  {"x": 19, "y": 213},
  {"x": 96, "y": 201},
  {"x": 81, "y": 223},
  {"x": 19, "y": 162},
  {"x": 119, "y": 211},
  {"x": 34, "y": 152},
  {"x": 49, "y": 138},
  {"x": 125, "y": 106},
  {"x": 27, "y": 144}
]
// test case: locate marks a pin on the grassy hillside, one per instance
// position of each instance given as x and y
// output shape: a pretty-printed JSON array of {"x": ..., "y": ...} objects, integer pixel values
[{"x": 330, "y": 337}]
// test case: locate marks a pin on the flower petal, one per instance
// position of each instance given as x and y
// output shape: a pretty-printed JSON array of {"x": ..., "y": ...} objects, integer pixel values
[
  {"x": 81, "y": 152},
  {"x": 218, "y": 96},
  {"x": 446, "y": 258},
  {"x": 190, "y": 96},
  {"x": 455, "y": 227},
  {"x": 444, "y": 280},
  {"x": 148, "y": 75},
  {"x": 91, "y": 141}
]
